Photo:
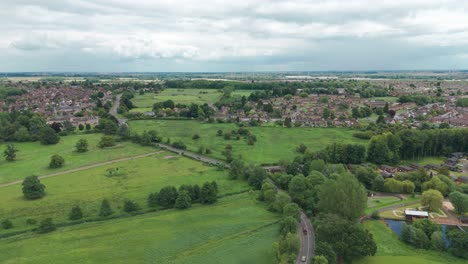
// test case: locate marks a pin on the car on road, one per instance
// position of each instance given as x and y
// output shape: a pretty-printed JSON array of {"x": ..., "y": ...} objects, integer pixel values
[
  {"x": 304, "y": 231},
  {"x": 303, "y": 259}
]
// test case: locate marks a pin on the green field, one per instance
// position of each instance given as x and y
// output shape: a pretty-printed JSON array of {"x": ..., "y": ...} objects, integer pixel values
[
  {"x": 33, "y": 158},
  {"x": 237, "y": 229},
  {"x": 87, "y": 188},
  {"x": 273, "y": 143},
  {"x": 386, "y": 99},
  {"x": 372, "y": 205},
  {"x": 391, "y": 250},
  {"x": 182, "y": 96}
]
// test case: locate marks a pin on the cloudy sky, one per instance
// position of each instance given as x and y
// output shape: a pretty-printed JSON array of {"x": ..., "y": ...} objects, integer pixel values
[{"x": 223, "y": 35}]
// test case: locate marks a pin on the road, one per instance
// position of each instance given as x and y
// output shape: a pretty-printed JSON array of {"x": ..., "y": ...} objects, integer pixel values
[
  {"x": 307, "y": 247},
  {"x": 85, "y": 167},
  {"x": 113, "y": 110}
]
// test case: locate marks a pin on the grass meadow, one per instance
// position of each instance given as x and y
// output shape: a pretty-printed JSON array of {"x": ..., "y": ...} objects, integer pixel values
[
  {"x": 182, "y": 96},
  {"x": 273, "y": 143},
  {"x": 33, "y": 158},
  {"x": 237, "y": 229},
  {"x": 391, "y": 250},
  {"x": 87, "y": 188}
]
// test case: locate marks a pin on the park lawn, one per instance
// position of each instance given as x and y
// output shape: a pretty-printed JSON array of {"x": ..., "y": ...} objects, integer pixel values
[
  {"x": 388, "y": 201},
  {"x": 182, "y": 96},
  {"x": 391, "y": 250},
  {"x": 33, "y": 158},
  {"x": 89, "y": 187},
  {"x": 389, "y": 213},
  {"x": 236, "y": 229},
  {"x": 273, "y": 143},
  {"x": 241, "y": 93}
]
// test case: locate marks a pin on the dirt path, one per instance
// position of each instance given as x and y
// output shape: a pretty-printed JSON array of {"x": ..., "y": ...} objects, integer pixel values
[{"x": 85, "y": 167}]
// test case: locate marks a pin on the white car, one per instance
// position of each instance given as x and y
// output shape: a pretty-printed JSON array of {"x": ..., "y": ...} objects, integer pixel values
[{"x": 303, "y": 258}]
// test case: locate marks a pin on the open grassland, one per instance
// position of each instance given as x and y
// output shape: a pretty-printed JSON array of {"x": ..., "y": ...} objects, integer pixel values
[
  {"x": 428, "y": 160},
  {"x": 87, "y": 188},
  {"x": 237, "y": 229},
  {"x": 273, "y": 143},
  {"x": 245, "y": 93},
  {"x": 391, "y": 250},
  {"x": 182, "y": 96},
  {"x": 33, "y": 158}
]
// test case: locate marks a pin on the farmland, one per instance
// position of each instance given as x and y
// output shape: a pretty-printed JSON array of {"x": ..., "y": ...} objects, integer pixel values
[
  {"x": 391, "y": 250},
  {"x": 87, "y": 188},
  {"x": 33, "y": 158},
  {"x": 273, "y": 143},
  {"x": 203, "y": 234}
]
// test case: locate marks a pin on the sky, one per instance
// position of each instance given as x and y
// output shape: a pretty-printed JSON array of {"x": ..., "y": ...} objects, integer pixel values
[{"x": 226, "y": 36}]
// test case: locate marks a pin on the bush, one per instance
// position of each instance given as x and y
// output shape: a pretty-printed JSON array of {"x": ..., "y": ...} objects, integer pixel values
[
  {"x": 106, "y": 141},
  {"x": 75, "y": 213},
  {"x": 31, "y": 221},
  {"x": 179, "y": 145},
  {"x": 82, "y": 145},
  {"x": 183, "y": 200},
  {"x": 195, "y": 137},
  {"x": 56, "y": 161},
  {"x": 7, "y": 224},
  {"x": 130, "y": 206},
  {"x": 46, "y": 226},
  {"x": 33, "y": 188},
  {"x": 375, "y": 215},
  {"x": 106, "y": 209}
]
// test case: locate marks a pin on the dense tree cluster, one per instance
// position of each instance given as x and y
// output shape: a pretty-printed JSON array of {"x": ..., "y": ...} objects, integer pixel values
[{"x": 170, "y": 197}]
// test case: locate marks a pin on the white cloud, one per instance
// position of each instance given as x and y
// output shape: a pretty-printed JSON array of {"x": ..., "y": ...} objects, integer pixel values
[{"x": 221, "y": 31}]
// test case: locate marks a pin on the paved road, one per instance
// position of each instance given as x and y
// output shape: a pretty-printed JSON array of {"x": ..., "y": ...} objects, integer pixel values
[
  {"x": 307, "y": 239},
  {"x": 84, "y": 167},
  {"x": 113, "y": 110}
]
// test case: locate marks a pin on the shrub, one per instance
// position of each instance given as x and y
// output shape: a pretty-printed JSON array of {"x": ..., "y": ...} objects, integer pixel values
[
  {"x": 106, "y": 141},
  {"x": 375, "y": 215},
  {"x": 195, "y": 137},
  {"x": 33, "y": 188},
  {"x": 7, "y": 224},
  {"x": 46, "y": 226},
  {"x": 106, "y": 209},
  {"x": 183, "y": 200},
  {"x": 31, "y": 221},
  {"x": 130, "y": 206},
  {"x": 56, "y": 161},
  {"x": 75, "y": 213}
]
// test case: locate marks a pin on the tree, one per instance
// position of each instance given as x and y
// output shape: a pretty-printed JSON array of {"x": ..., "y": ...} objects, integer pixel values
[
  {"x": 56, "y": 161},
  {"x": 348, "y": 239},
  {"x": 344, "y": 196},
  {"x": 10, "y": 152},
  {"x": 292, "y": 209},
  {"x": 432, "y": 199},
  {"x": 237, "y": 169},
  {"x": 33, "y": 188},
  {"x": 106, "y": 141},
  {"x": 82, "y": 145},
  {"x": 208, "y": 193},
  {"x": 459, "y": 201},
  {"x": 7, "y": 224},
  {"x": 317, "y": 259},
  {"x": 436, "y": 184},
  {"x": 130, "y": 206},
  {"x": 301, "y": 148},
  {"x": 288, "y": 225},
  {"x": 46, "y": 226},
  {"x": 324, "y": 249},
  {"x": 167, "y": 196},
  {"x": 427, "y": 226},
  {"x": 75, "y": 213},
  {"x": 256, "y": 177},
  {"x": 414, "y": 236},
  {"x": 378, "y": 151},
  {"x": 183, "y": 200},
  {"x": 458, "y": 243},
  {"x": 106, "y": 209},
  {"x": 281, "y": 199},
  {"x": 80, "y": 127},
  {"x": 153, "y": 199},
  {"x": 47, "y": 136},
  {"x": 437, "y": 241},
  {"x": 88, "y": 127},
  {"x": 378, "y": 184}
]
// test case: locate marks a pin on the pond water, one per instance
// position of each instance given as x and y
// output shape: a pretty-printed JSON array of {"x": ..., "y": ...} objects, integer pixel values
[{"x": 396, "y": 226}]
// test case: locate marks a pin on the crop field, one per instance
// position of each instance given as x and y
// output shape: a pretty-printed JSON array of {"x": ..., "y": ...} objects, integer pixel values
[
  {"x": 237, "y": 229},
  {"x": 391, "y": 250},
  {"x": 33, "y": 158},
  {"x": 182, "y": 96},
  {"x": 273, "y": 143},
  {"x": 136, "y": 180}
]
